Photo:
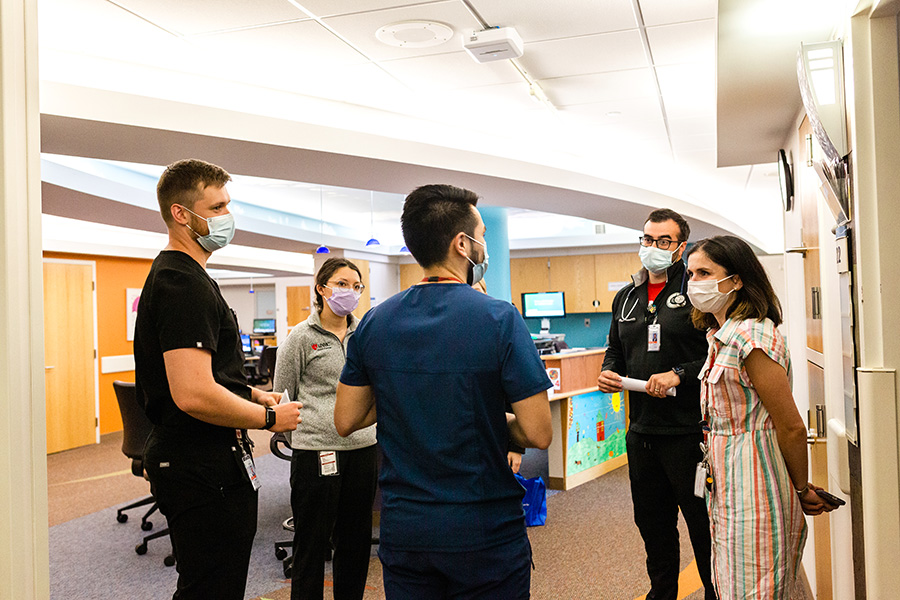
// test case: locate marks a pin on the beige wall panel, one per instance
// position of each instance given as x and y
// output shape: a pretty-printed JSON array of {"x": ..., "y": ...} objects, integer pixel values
[
  {"x": 299, "y": 304},
  {"x": 613, "y": 268},
  {"x": 410, "y": 274}
]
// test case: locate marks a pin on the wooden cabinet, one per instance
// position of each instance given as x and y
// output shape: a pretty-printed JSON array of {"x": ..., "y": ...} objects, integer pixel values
[
  {"x": 590, "y": 281},
  {"x": 613, "y": 270},
  {"x": 528, "y": 275}
]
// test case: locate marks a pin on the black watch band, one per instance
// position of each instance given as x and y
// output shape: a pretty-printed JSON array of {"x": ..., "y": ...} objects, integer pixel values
[
  {"x": 678, "y": 370},
  {"x": 270, "y": 418}
]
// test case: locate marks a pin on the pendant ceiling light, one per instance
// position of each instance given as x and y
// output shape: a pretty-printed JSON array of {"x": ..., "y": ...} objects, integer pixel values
[
  {"x": 372, "y": 241},
  {"x": 322, "y": 249}
]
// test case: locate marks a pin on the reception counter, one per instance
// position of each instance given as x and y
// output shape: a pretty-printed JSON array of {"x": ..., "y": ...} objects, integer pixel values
[{"x": 588, "y": 425}]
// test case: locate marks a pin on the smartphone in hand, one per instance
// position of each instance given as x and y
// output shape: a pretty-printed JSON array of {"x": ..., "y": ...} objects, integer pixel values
[{"x": 830, "y": 498}]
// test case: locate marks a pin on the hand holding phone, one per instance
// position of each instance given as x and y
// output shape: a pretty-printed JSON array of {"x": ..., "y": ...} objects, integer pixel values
[{"x": 830, "y": 498}]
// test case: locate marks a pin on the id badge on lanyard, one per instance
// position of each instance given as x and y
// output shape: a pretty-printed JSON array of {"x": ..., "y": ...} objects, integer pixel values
[{"x": 653, "y": 335}]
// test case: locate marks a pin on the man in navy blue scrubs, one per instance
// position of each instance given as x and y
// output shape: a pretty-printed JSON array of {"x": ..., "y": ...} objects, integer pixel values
[{"x": 438, "y": 363}]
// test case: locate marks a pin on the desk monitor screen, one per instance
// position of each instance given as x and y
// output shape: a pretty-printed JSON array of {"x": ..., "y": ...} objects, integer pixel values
[
  {"x": 543, "y": 304},
  {"x": 245, "y": 344},
  {"x": 264, "y": 326}
]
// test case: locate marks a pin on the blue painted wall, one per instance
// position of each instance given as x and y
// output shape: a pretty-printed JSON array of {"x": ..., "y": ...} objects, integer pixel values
[{"x": 577, "y": 335}]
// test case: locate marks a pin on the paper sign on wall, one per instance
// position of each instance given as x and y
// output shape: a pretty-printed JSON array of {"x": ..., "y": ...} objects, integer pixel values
[
  {"x": 132, "y": 298},
  {"x": 615, "y": 286}
]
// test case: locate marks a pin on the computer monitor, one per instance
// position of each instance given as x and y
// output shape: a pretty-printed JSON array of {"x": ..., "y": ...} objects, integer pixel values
[
  {"x": 264, "y": 326},
  {"x": 543, "y": 304},
  {"x": 246, "y": 346}
]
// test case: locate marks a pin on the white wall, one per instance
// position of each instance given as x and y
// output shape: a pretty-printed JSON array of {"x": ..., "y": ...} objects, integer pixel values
[{"x": 239, "y": 298}]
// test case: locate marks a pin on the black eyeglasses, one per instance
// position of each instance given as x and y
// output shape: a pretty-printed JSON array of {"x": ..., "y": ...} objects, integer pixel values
[{"x": 661, "y": 243}]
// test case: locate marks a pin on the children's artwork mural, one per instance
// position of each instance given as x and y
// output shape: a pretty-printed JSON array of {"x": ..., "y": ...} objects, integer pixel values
[{"x": 596, "y": 430}]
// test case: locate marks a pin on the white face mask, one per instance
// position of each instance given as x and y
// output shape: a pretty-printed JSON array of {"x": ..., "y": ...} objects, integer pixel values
[
  {"x": 221, "y": 231},
  {"x": 706, "y": 297},
  {"x": 655, "y": 260}
]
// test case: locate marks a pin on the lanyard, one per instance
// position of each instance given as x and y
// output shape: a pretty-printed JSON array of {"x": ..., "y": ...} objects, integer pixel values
[{"x": 437, "y": 279}]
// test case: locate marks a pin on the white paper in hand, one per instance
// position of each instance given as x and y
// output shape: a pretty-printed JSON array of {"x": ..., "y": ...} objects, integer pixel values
[
  {"x": 285, "y": 397},
  {"x": 640, "y": 385}
]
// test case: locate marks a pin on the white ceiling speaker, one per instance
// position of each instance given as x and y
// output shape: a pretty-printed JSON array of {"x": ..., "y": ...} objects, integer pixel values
[
  {"x": 500, "y": 43},
  {"x": 414, "y": 34}
]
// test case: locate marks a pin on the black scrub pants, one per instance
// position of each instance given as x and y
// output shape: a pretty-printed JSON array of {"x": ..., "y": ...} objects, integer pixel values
[
  {"x": 210, "y": 507},
  {"x": 662, "y": 470},
  {"x": 334, "y": 508}
]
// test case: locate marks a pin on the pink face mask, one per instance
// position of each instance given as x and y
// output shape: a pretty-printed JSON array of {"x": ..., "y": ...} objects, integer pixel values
[{"x": 342, "y": 301}]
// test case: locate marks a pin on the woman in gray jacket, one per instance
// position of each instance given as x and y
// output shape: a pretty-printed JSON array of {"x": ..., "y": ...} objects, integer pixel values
[{"x": 332, "y": 478}]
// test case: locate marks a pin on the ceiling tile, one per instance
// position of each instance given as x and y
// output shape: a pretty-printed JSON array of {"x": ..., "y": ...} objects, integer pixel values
[
  {"x": 585, "y": 55},
  {"x": 693, "y": 143},
  {"x": 198, "y": 16},
  {"x": 541, "y": 20},
  {"x": 683, "y": 43},
  {"x": 688, "y": 90},
  {"x": 584, "y": 89},
  {"x": 328, "y": 8},
  {"x": 290, "y": 49},
  {"x": 623, "y": 110},
  {"x": 450, "y": 71},
  {"x": 701, "y": 125},
  {"x": 661, "y": 12},
  {"x": 359, "y": 29}
]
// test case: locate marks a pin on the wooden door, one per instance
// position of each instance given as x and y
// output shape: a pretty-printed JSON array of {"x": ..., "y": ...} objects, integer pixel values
[
  {"x": 574, "y": 275},
  {"x": 613, "y": 270},
  {"x": 528, "y": 275},
  {"x": 299, "y": 304},
  {"x": 365, "y": 301},
  {"x": 69, "y": 355},
  {"x": 809, "y": 212},
  {"x": 410, "y": 275}
]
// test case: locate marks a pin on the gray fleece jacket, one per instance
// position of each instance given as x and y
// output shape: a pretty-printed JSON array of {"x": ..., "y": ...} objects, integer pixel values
[{"x": 308, "y": 366}]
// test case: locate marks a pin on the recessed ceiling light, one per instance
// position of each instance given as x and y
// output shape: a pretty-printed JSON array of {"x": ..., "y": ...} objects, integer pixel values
[
  {"x": 614, "y": 114},
  {"x": 414, "y": 34}
]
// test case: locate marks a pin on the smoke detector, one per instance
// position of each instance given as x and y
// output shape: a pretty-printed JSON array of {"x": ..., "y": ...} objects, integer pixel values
[{"x": 414, "y": 34}]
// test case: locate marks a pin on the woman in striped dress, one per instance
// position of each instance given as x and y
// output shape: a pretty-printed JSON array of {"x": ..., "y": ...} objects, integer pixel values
[{"x": 757, "y": 440}]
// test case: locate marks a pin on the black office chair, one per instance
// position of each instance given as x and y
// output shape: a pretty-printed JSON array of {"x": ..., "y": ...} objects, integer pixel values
[
  {"x": 279, "y": 446},
  {"x": 137, "y": 428},
  {"x": 267, "y": 362}
]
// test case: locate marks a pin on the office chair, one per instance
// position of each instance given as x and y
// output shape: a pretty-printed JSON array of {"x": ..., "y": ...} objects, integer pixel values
[
  {"x": 267, "y": 362},
  {"x": 137, "y": 428},
  {"x": 282, "y": 547}
]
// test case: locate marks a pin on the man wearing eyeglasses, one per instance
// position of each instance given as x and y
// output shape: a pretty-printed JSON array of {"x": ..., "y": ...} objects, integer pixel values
[{"x": 651, "y": 338}]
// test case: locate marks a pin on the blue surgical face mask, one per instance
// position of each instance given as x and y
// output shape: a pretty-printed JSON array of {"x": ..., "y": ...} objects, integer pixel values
[
  {"x": 655, "y": 260},
  {"x": 221, "y": 231},
  {"x": 479, "y": 269}
]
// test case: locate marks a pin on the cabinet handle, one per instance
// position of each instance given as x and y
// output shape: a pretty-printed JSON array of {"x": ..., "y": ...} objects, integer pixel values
[
  {"x": 816, "y": 302},
  {"x": 48, "y": 367}
]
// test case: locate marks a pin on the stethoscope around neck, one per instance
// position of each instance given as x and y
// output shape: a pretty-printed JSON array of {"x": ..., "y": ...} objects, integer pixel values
[{"x": 623, "y": 318}]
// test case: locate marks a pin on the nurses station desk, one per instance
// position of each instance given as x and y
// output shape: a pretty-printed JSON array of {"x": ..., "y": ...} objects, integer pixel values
[{"x": 588, "y": 425}]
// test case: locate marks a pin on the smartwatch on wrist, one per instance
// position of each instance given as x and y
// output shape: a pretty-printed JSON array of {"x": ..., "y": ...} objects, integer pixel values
[
  {"x": 678, "y": 370},
  {"x": 270, "y": 418}
]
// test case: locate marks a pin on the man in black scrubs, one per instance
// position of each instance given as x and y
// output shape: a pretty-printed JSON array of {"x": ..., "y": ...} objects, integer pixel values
[
  {"x": 189, "y": 374},
  {"x": 651, "y": 338}
]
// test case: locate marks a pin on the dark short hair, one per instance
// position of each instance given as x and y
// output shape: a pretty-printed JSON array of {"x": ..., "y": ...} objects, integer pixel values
[
  {"x": 328, "y": 269},
  {"x": 183, "y": 181},
  {"x": 756, "y": 299},
  {"x": 432, "y": 216},
  {"x": 661, "y": 215}
]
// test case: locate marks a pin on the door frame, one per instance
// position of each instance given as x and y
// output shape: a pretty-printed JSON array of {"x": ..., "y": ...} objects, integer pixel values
[{"x": 96, "y": 360}]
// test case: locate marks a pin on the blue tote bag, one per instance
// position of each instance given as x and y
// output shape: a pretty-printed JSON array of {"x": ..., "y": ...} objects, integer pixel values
[{"x": 535, "y": 501}]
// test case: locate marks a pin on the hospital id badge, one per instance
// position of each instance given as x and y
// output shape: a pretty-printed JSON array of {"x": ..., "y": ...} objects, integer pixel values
[
  {"x": 251, "y": 471},
  {"x": 328, "y": 463},
  {"x": 653, "y": 337},
  {"x": 700, "y": 480}
]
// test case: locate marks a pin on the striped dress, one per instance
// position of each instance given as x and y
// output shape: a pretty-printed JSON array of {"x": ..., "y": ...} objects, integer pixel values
[{"x": 757, "y": 526}]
